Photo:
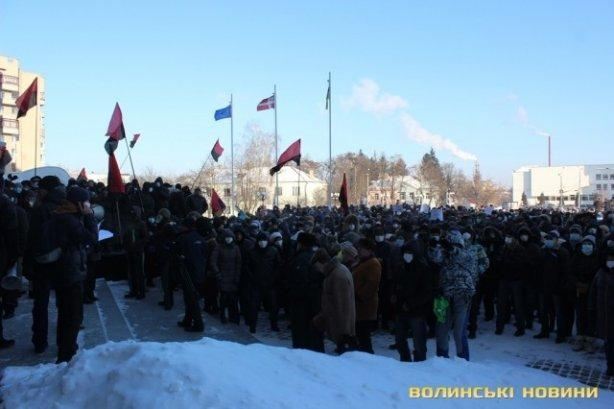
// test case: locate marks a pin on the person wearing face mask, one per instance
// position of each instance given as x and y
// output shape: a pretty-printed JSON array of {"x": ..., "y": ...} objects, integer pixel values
[
  {"x": 482, "y": 265},
  {"x": 263, "y": 264},
  {"x": 338, "y": 310},
  {"x": 367, "y": 276},
  {"x": 601, "y": 306},
  {"x": 413, "y": 291},
  {"x": 554, "y": 270},
  {"x": 513, "y": 267},
  {"x": 488, "y": 284},
  {"x": 350, "y": 229},
  {"x": 584, "y": 266},
  {"x": 8, "y": 249},
  {"x": 246, "y": 243},
  {"x": 226, "y": 266},
  {"x": 575, "y": 236},
  {"x": 383, "y": 254}
]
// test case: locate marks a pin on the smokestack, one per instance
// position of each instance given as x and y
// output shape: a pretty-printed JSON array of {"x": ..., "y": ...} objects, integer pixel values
[{"x": 549, "y": 153}]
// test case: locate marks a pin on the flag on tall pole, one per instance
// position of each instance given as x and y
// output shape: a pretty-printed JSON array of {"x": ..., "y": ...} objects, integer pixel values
[
  {"x": 135, "y": 138},
  {"x": 28, "y": 99},
  {"x": 343, "y": 196},
  {"x": 116, "y": 129},
  {"x": 217, "y": 150},
  {"x": 293, "y": 153},
  {"x": 330, "y": 145},
  {"x": 328, "y": 93},
  {"x": 82, "y": 175},
  {"x": 217, "y": 205},
  {"x": 222, "y": 113},
  {"x": 267, "y": 103}
]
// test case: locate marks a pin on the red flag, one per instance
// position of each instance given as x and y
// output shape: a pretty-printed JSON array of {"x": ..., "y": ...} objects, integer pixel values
[
  {"x": 343, "y": 196},
  {"x": 134, "y": 139},
  {"x": 115, "y": 184},
  {"x": 293, "y": 153},
  {"x": 82, "y": 175},
  {"x": 217, "y": 205},
  {"x": 116, "y": 125},
  {"x": 28, "y": 99},
  {"x": 217, "y": 150},
  {"x": 267, "y": 103}
]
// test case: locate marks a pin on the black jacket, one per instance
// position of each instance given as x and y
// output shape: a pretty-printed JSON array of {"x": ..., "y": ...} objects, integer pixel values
[
  {"x": 193, "y": 251},
  {"x": 263, "y": 266},
  {"x": 413, "y": 288}
]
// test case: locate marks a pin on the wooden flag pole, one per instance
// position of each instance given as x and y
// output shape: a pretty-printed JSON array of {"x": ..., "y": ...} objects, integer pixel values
[
  {"x": 275, "y": 197},
  {"x": 232, "y": 160},
  {"x": 134, "y": 176},
  {"x": 200, "y": 172}
]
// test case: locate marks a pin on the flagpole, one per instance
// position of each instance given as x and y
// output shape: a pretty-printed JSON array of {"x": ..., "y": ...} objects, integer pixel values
[
  {"x": 330, "y": 145},
  {"x": 275, "y": 198},
  {"x": 298, "y": 186},
  {"x": 200, "y": 172},
  {"x": 36, "y": 135},
  {"x": 134, "y": 175},
  {"x": 232, "y": 160}
]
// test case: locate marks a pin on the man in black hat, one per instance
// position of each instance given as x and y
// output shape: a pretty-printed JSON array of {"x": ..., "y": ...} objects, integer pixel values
[
  {"x": 51, "y": 194},
  {"x": 75, "y": 228}
]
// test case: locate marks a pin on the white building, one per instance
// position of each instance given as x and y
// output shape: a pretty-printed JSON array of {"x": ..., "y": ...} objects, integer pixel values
[
  {"x": 561, "y": 185},
  {"x": 256, "y": 187},
  {"x": 404, "y": 190}
]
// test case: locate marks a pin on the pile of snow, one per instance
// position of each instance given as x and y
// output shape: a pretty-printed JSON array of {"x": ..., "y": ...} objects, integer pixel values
[{"x": 218, "y": 374}]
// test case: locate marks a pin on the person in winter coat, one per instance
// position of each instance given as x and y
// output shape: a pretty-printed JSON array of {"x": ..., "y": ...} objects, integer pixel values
[
  {"x": 337, "y": 317},
  {"x": 226, "y": 265},
  {"x": 246, "y": 244},
  {"x": 304, "y": 292},
  {"x": 263, "y": 263},
  {"x": 196, "y": 202},
  {"x": 192, "y": 251},
  {"x": 383, "y": 252},
  {"x": 513, "y": 266},
  {"x": 529, "y": 282},
  {"x": 177, "y": 202},
  {"x": 8, "y": 249},
  {"x": 50, "y": 196},
  {"x": 134, "y": 240},
  {"x": 75, "y": 228},
  {"x": 554, "y": 273},
  {"x": 367, "y": 275},
  {"x": 457, "y": 286},
  {"x": 483, "y": 263},
  {"x": 413, "y": 293},
  {"x": 601, "y": 304},
  {"x": 584, "y": 266}
]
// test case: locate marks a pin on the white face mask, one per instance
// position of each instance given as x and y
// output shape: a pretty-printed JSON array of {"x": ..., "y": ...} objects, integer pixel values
[
  {"x": 467, "y": 236},
  {"x": 587, "y": 249},
  {"x": 408, "y": 257},
  {"x": 351, "y": 227},
  {"x": 549, "y": 243},
  {"x": 592, "y": 231},
  {"x": 610, "y": 263},
  {"x": 524, "y": 237},
  {"x": 399, "y": 242},
  {"x": 508, "y": 240},
  {"x": 416, "y": 236},
  {"x": 228, "y": 240},
  {"x": 388, "y": 235},
  {"x": 436, "y": 238},
  {"x": 279, "y": 243},
  {"x": 263, "y": 243},
  {"x": 379, "y": 239},
  {"x": 395, "y": 226},
  {"x": 574, "y": 237}
]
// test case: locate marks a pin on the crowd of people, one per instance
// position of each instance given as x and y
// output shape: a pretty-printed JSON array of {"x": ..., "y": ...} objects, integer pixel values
[{"x": 336, "y": 274}]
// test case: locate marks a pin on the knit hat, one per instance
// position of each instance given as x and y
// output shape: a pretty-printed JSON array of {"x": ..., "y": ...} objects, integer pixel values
[
  {"x": 348, "y": 248},
  {"x": 77, "y": 194},
  {"x": 49, "y": 182},
  {"x": 276, "y": 235},
  {"x": 165, "y": 213}
]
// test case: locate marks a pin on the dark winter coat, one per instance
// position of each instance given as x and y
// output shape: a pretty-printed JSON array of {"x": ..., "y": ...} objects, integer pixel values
[
  {"x": 263, "y": 267},
  {"x": 74, "y": 232},
  {"x": 413, "y": 288},
  {"x": 514, "y": 262},
  {"x": 601, "y": 303},
  {"x": 8, "y": 234},
  {"x": 554, "y": 272},
  {"x": 196, "y": 203},
  {"x": 192, "y": 249},
  {"x": 583, "y": 270},
  {"x": 226, "y": 266}
]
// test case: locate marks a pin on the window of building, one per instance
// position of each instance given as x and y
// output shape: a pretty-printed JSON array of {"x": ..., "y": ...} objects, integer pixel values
[
  {"x": 605, "y": 177},
  {"x": 612, "y": 176},
  {"x": 296, "y": 191},
  {"x": 612, "y": 186},
  {"x": 598, "y": 186},
  {"x": 377, "y": 196},
  {"x": 262, "y": 189},
  {"x": 584, "y": 198},
  {"x": 227, "y": 192},
  {"x": 598, "y": 177},
  {"x": 565, "y": 198},
  {"x": 279, "y": 191},
  {"x": 402, "y": 195}
]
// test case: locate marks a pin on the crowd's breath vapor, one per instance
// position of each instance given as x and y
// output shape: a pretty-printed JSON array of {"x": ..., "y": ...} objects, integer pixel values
[{"x": 368, "y": 96}]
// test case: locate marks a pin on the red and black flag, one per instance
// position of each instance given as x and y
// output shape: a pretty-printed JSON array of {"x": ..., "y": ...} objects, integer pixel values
[
  {"x": 134, "y": 139},
  {"x": 293, "y": 153},
  {"x": 82, "y": 175},
  {"x": 115, "y": 184},
  {"x": 28, "y": 99},
  {"x": 217, "y": 205},
  {"x": 217, "y": 150},
  {"x": 343, "y": 196},
  {"x": 116, "y": 125}
]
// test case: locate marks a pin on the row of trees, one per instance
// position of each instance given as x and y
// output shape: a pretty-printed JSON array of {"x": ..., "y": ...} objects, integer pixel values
[{"x": 437, "y": 183}]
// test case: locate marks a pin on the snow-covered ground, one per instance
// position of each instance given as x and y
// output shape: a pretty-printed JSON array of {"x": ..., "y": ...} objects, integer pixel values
[{"x": 221, "y": 374}]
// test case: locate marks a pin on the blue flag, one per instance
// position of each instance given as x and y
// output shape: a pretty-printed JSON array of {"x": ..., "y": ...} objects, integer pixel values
[{"x": 223, "y": 113}]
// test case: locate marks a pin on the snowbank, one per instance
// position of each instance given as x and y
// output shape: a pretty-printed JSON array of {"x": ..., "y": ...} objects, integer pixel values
[{"x": 218, "y": 374}]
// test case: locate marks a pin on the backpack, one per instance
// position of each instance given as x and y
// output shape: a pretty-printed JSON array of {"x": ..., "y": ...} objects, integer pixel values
[{"x": 49, "y": 248}]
